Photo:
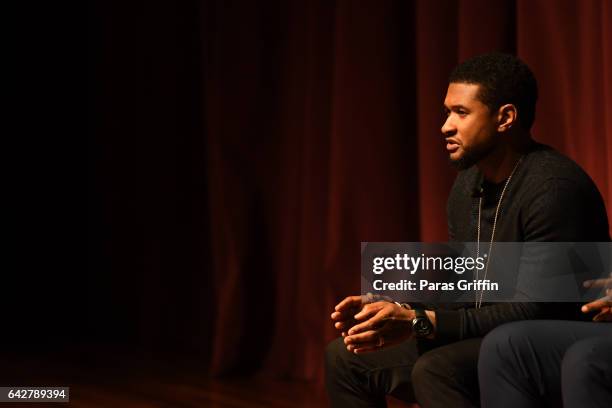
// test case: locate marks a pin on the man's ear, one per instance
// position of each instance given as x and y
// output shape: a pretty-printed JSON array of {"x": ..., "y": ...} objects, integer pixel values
[{"x": 507, "y": 116}]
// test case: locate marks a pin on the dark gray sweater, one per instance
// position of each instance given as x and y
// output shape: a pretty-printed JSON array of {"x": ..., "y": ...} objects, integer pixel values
[{"x": 549, "y": 199}]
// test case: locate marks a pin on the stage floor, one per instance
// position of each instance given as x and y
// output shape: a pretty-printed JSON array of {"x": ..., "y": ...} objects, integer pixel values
[{"x": 113, "y": 382}]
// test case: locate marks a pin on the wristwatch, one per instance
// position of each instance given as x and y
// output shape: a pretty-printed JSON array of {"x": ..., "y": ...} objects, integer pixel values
[{"x": 421, "y": 326}]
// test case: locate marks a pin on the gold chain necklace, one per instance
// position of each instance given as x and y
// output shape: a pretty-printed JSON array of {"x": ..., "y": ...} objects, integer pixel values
[{"x": 478, "y": 302}]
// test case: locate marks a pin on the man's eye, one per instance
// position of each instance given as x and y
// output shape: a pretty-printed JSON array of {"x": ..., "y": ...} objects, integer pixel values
[{"x": 461, "y": 113}]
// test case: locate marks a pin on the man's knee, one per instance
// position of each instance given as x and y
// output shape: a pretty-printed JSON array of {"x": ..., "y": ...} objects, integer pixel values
[
  {"x": 503, "y": 344},
  {"x": 428, "y": 376},
  {"x": 429, "y": 369},
  {"x": 335, "y": 350},
  {"x": 579, "y": 362},
  {"x": 446, "y": 375},
  {"x": 586, "y": 373},
  {"x": 498, "y": 345},
  {"x": 346, "y": 375},
  {"x": 337, "y": 358}
]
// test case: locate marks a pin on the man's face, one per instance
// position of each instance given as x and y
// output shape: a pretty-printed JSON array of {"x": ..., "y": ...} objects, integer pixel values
[{"x": 470, "y": 127}]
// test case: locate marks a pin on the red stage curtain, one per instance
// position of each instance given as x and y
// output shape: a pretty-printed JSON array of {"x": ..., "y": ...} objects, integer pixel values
[
  {"x": 337, "y": 132},
  {"x": 315, "y": 126}
]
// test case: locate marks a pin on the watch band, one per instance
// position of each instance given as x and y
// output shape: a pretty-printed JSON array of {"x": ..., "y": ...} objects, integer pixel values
[{"x": 421, "y": 325}]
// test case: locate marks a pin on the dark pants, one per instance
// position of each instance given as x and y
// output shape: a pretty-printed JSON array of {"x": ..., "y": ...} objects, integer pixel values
[
  {"x": 444, "y": 376},
  {"x": 547, "y": 363}
]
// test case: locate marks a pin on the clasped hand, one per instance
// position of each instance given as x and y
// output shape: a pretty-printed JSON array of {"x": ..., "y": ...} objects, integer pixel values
[
  {"x": 603, "y": 305},
  {"x": 371, "y": 326}
]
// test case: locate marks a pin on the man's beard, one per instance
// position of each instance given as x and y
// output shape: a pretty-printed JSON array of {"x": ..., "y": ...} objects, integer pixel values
[{"x": 470, "y": 157}]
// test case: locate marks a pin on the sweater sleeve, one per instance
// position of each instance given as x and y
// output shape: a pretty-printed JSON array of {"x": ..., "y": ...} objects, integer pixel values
[{"x": 453, "y": 325}]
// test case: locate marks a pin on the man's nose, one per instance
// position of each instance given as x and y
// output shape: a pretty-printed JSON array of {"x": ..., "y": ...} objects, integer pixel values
[{"x": 448, "y": 128}]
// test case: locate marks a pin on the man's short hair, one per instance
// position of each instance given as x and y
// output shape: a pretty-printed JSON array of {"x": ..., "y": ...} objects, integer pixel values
[{"x": 503, "y": 79}]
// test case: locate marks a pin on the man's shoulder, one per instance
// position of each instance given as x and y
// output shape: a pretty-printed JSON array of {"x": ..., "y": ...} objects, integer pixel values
[
  {"x": 559, "y": 201},
  {"x": 549, "y": 175},
  {"x": 545, "y": 165}
]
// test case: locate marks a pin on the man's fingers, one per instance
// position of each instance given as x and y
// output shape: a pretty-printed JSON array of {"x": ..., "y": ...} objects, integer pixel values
[
  {"x": 365, "y": 337},
  {"x": 345, "y": 325},
  {"x": 598, "y": 283},
  {"x": 370, "y": 324},
  {"x": 368, "y": 341},
  {"x": 370, "y": 310},
  {"x": 382, "y": 314},
  {"x": 348, "y": 302},
  {"x": 373, "y": 323},
  {"x": 362, "y": 348},
  {"x": 605, "y": 315},
  {"x": 366, "y": 349},
  {"x": 344, "y": 315},
  {"x": 597, "y": 304}
]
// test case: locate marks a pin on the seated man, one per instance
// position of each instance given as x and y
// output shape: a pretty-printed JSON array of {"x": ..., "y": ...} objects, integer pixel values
[
  {"x": 554, "y": 363},
  {"x": 511, "y": 189}
]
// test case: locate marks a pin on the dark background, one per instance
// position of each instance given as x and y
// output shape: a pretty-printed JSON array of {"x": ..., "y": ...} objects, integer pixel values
[{"x": 239, "y": 152}]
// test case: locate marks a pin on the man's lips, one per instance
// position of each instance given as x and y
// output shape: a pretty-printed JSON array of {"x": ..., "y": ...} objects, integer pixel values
[{"x": 451, "y": 146}]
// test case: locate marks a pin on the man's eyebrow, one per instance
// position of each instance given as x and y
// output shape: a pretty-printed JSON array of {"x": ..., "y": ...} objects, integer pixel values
[{"x": 455, "y": 107}]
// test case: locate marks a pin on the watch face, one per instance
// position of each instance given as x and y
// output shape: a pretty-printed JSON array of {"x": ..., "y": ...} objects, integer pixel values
[{"x": 421, "y": 327}]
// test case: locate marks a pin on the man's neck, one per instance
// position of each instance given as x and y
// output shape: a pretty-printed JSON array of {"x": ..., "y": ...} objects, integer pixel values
[{"x": 498, "y": 164}]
